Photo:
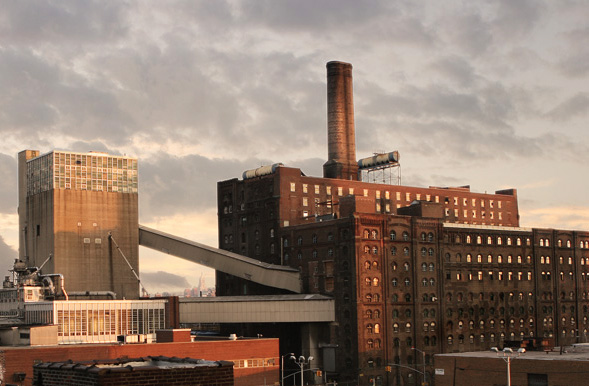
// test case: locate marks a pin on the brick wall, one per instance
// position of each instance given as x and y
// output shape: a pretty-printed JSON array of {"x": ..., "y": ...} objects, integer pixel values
[
  {"x": 60, "y": 374},
  {"x": 21, "y": 359}
]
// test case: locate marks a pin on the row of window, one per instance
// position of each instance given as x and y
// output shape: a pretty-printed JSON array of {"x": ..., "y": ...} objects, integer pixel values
[
  {"x": 502, "y": 324},
  {"x": 492, "y": 311},
  {"x": 491, "y": 275},
  {"x": 490, "y": 259},
  {"x": 491, "y": 240},
  {"x": 424, "y": 251},
  {"x": 492, "y": 296},
  {"x": 474, "y": 214},
  {"x": 424, "y": 282},
  {"x": 482, "y": 337}
]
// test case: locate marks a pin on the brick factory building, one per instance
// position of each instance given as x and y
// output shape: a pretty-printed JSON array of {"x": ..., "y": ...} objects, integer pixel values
[
  {"x": 532, "y": 368},
  {"x": 443, "y": 270}
]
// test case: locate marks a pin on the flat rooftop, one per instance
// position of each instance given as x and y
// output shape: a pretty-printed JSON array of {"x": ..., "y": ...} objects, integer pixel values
[{"x": 579, "y": 352}]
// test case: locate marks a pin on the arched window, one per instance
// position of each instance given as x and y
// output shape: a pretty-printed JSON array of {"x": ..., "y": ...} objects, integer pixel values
[
  {"x": 406, "y": 251},
  {"x": 377, "y": 328},
  {"x": 369, "y": 328},
  {"x": 393, "y": 235},
  {"x": 450, "y": 340},
  {"x": 430, "y": 237},
  {"x": 405, "y": 236},
  {"x": 369, "y": 314},
  {"x": 375, "y": 282},
  {"x": 394, "y": 251},
  {"x": 468, "y": 239}
]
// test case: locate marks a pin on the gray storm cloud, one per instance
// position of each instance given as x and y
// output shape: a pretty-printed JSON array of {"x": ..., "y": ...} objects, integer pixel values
[{"x": 490, "y": 94}]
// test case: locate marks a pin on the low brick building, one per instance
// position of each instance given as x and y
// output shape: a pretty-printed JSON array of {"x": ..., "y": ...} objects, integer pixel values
[
  {"x": 255, "y": 360},
  {"x": 159, "y": 371},
  {"x": 533, "y": 368}
]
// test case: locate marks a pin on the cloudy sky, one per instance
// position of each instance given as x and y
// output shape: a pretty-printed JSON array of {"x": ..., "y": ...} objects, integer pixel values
[{"x": 494, "y": 94}]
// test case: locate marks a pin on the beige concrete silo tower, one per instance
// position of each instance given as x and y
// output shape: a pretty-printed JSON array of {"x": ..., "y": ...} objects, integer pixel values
[{"x": 69, "y": 204}]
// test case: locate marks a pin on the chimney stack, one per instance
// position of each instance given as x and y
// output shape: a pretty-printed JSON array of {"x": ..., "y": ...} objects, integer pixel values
[{"x": 341, "y": 138}]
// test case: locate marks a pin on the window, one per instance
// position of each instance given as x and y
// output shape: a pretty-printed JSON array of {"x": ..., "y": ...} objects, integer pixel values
[
  {"x": 405, "y": 236},
  {"x": 407, "y": 327},
  {"x": 292, "y": 187},
  {"x": 393, "y": 235}
]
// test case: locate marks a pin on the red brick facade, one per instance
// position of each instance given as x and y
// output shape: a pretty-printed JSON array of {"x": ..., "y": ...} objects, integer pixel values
[
  {"x": 162, "y": 374},
  {"x": 22, "y": 359},
  {"x": 450, "y": 273}
]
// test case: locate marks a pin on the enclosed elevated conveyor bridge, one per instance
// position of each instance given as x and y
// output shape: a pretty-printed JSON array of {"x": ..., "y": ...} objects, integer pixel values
[{"x": 271, "y": 275}]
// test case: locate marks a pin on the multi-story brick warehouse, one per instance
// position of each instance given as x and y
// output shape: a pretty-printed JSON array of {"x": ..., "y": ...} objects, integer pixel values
[{"x": 438, "y": 269}]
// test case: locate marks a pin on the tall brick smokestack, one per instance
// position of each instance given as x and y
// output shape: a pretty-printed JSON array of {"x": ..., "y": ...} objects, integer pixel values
[{"x": 341, "y": 137}]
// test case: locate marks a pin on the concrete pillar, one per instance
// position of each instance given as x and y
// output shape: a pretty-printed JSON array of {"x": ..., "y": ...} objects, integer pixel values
[{"x": 341, "y": 138}]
